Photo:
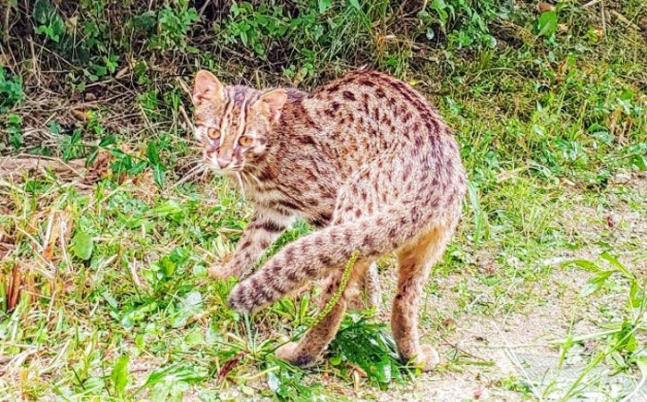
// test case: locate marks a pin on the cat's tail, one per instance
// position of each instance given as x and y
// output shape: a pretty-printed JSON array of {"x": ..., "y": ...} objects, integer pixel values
[{"x": 318, "y": 254}]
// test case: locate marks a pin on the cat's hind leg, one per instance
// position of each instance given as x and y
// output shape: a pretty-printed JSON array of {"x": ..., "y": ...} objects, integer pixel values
[
  {"x": 367, "y": 293},
  {"x": 310, "y": 347},
  {"x": 415, "y": 262}
]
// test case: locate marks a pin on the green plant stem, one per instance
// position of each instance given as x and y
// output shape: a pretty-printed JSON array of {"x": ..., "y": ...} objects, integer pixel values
[{"x": 340, "y": 290}]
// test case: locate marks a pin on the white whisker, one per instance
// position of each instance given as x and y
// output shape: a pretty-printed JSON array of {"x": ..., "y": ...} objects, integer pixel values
[
  {"x": 240, "y": 182},
  {"x": 194, "y": 171},
  {"x": 256, "y": 179}
]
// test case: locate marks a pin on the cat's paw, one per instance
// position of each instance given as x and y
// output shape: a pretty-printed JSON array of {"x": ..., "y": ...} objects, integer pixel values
[
  {"x": 287, "y": 352},
  {"x": 221, "y": 272},
  {"x": 428, "y": 359},
  {"x": 290, "y": 352},
  {"x": 241, "y": 299}
]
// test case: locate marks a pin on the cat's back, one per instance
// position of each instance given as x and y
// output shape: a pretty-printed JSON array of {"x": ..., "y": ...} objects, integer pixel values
[{"x": 376, "y": 105}]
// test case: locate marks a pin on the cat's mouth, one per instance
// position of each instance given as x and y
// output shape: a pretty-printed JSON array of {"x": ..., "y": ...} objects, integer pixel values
[
  {"x": 231, "y": 169},
  {"x": 222, "y": 166}
]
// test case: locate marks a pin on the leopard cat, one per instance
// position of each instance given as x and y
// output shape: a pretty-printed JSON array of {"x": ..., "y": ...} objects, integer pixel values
[{"x": 367, "y": 160}]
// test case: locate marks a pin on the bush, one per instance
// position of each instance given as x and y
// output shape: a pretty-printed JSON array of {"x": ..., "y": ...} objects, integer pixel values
[
  {"x": 304, "y": 38},
  {"x": 10, "y": 90}
]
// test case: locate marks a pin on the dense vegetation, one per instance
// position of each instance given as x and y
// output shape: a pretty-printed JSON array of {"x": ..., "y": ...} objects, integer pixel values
[{"x": 103, "y": 284}]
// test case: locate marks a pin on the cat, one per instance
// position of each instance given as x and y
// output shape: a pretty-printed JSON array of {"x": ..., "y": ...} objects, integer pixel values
[{"x": 367, "y": 160}]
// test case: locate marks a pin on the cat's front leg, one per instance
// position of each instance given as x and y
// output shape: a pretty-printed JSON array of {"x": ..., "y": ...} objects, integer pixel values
[{"x": 264, "y": 227}]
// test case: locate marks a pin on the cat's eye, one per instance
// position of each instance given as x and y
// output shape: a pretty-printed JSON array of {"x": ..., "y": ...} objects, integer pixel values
[
  {"x": 213, "y": 133},
  {"x": 245, "y": 141}
]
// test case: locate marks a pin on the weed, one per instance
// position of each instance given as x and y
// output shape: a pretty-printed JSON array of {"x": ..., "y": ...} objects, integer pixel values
[
  {"x": 173, "y": 25},
  {"x": 621, "y": 346},
  {"x": 11, "y": 91},
  {"x": 14, "y": 131},
  {"x": 370, "y": 348}
]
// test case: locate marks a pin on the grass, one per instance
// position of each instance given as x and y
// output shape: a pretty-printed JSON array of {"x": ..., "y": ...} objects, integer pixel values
[{"x": 104, "y": 293}]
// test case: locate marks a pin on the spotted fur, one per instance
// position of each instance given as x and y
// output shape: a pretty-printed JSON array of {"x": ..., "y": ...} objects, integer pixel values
[{"x": 366, "y": 159}]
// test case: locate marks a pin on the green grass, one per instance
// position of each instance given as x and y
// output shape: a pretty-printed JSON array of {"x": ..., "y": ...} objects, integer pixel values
[{"x": 115, "y": 302}]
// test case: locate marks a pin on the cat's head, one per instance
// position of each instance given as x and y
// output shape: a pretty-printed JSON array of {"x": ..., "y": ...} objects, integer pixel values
[{"x": 233, "y": 123}]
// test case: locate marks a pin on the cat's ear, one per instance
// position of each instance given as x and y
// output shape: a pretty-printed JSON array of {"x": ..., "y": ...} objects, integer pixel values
[
  {"x": 207, "y": 87},
  {"x": 272, "y": 102}
]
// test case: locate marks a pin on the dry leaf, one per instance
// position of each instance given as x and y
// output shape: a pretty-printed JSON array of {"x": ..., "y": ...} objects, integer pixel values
[
  {"x": 80, "y": 114},
  {"x": 448, "y": 322},
  {"x": 544, "y": 7},
  {"x": 14, "y": 287},
  {"x": 229, "y": 365},
  {"x": 611, "y": 221}
]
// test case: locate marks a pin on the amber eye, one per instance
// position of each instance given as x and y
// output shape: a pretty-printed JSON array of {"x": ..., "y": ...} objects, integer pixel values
[
  {"x": 213, "y": 133},
  {"x": 245, "y": 141}
]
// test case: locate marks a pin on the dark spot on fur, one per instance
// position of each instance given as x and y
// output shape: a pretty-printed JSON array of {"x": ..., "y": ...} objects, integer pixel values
[
  {"x": 368, "y": 242},
  {"x": 293, "y": 205},
  {"x": 305, "y": 140},
  {"x": 334, "y": 88},
  {"x": 270, "y": 226},
  {"x": 349, "y": 96},
  {"x": 321, "y": 220}
]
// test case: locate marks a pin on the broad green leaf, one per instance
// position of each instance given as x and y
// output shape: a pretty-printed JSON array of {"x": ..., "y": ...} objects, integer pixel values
[
  {"x": 585, "y": 264},
  {"x": 82, "y": 245},
  {"x": 639, "y": 162},
  {"x": 613, "y": 260},
  {"x": 355, "y": 4},
  {"x": 595, "y": 283},
  {"x": 170, "y": 208},
  {"x": 158, "y": 175},
  {"x": 382, "y": 370},
  {"x": 547, "y": 23},
  {"x": 335, "y": 360},
  {"x": 324, "y": 5},
  {"x": 152, "y": 153},
  {"x": 120, "y": 374}
]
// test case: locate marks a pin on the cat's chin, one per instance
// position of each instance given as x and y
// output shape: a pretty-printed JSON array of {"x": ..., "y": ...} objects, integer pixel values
[{"x": 226, "y": 172}]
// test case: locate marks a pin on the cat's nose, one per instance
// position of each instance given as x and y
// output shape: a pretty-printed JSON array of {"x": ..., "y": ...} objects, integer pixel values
[{"x": 224, "y": 161}]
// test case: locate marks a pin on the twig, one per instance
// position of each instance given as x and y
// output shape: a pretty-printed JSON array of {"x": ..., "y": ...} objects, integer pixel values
[
  {"x": 604, "y": 19},
  {"x": 625, "y": 20},
  {"x": 591, "y": 3},
  {"x": 202, "y": 315}
]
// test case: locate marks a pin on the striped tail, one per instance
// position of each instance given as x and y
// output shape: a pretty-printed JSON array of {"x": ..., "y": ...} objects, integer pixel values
[{"x": 318, "y": 254}]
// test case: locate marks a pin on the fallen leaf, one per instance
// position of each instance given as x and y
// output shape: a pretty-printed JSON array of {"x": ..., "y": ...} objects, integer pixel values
[
  {"x": 229, "y": 365},
  {"x": 122, "y": 73},
  {"x": 611, "y": 221},
  {"x": 544, "y": 7},
  {"x": 14, "y": 288},
  {"x": 80, "y": 114},
  {"x": 448, "y": 322}
]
